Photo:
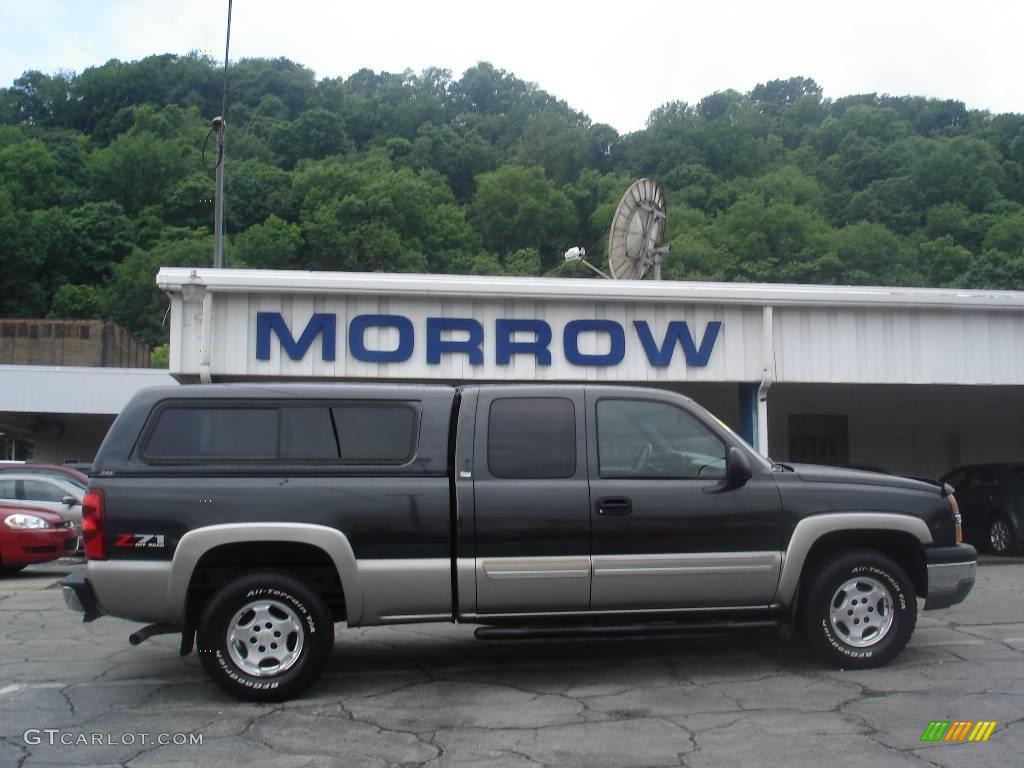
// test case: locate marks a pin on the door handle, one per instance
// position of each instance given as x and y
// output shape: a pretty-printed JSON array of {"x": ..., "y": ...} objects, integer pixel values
[{"x": 614, "y": 506}]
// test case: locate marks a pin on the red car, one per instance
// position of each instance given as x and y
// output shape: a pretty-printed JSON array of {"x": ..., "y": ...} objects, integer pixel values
[{"x": 31, "y": 535}]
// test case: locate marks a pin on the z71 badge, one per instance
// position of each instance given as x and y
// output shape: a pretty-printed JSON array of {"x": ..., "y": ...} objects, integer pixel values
[{"x": 139, "y": 540}]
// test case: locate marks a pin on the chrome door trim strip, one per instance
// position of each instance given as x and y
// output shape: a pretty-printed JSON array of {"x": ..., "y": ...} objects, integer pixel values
[
  {"x": 713, "y": 563},
  {"x": 502, "y": 568}
]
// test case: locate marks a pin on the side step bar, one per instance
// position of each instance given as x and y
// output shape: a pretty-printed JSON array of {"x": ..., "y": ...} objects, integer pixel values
[{"x": 618, "y": 630}]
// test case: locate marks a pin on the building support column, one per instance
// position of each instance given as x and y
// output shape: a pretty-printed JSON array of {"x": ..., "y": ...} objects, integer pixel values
[{"x": 748, "y": 413}]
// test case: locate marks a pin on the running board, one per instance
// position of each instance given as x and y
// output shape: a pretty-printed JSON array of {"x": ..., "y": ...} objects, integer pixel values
[{"x": 618, "y": 630}]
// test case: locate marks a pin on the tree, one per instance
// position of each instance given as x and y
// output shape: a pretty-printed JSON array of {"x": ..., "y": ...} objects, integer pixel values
[
  {"x": 28, "y": 171},
  {"x": 274, "y": 244},
  {"x": 519, "y": 208},
  {"x": 77, "y": 301},
  {"x": 141, "y": 166},
  {"x": 314, "y": 134}
]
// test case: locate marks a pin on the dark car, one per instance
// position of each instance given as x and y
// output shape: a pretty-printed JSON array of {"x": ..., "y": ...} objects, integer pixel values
[
  {"x": 991, "y": 498},
  {"x": 32, "y": 535},
  {"x": 47, "y": 470}
]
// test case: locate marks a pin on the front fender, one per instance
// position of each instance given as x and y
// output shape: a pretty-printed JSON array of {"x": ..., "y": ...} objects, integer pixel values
[{"x": 810, "y": 529}]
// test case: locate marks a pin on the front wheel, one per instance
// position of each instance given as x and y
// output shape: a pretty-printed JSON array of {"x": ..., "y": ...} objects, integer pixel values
[
  {"x": 11, "y": 568},
  {"x": 265, "y": 636},
  {"x": 859, "y": 609}
]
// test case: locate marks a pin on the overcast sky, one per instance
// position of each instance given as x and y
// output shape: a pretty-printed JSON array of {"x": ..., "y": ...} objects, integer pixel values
[{"x": 615, "y": 61}]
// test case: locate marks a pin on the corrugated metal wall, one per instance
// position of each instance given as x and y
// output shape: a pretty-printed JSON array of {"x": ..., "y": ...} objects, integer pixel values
[{"x": 810, "y": 344}]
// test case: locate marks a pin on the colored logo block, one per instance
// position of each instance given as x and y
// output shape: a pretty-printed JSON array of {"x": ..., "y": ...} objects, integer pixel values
[{"x": 958, "y": 730}]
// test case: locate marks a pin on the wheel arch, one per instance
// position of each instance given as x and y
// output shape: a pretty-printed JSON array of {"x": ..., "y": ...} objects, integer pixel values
[
  {"x": 272, "y": 544},
  {"x": 901, "y": 537}
]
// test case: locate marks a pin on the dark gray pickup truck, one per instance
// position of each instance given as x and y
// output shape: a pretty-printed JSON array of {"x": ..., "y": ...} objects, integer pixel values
[{"x": 253, "y": 517}]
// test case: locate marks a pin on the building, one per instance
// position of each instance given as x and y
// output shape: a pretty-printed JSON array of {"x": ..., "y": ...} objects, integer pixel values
[
  {"x": 913, "y": 381},
  {"x": 62, "y": 382},
  {"x": 97, "y": 343}
]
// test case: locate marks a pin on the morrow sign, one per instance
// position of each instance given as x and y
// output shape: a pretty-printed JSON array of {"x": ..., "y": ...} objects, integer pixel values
[{"x": 465, "y": 336}]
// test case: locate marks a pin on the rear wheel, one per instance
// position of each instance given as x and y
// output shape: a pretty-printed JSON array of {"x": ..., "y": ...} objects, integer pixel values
[
  {"x": 859, "y": 609},
  {"x": 1001, "y": 536},
  {"x": 265, "y": 636}
]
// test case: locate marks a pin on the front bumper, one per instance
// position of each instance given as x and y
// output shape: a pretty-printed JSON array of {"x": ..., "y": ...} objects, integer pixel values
[
  {"x": 36, "y": 546},
  {"x": 78, "y": 595},
  {"x": 951, "y": 572}
]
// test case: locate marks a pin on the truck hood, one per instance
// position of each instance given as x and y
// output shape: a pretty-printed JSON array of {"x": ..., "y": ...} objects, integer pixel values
[{"x": 814, "y": 473}]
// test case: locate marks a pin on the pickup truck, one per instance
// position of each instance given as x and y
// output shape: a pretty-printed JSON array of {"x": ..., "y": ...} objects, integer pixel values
[{"x": 252, "y": 518}]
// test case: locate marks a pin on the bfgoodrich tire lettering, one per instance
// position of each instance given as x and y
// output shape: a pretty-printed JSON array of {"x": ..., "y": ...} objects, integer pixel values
[
  {"x": 287, "y": 604},
  {"x": 865, "y": 587}
]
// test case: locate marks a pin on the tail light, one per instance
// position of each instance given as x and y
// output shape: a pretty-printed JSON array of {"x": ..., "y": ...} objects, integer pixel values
[
  {"x": 957, "y": 519},
  {"x": 92, "y": 526}
]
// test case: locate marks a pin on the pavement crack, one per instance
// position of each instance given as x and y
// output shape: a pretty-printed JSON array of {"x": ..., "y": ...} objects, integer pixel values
[{"x": 67, "y": 698}]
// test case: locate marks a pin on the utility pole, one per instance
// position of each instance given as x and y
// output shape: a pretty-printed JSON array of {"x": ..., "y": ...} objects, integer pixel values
[
  {"x": 218, "y": 199},
  {"x": 219, "y": 124}
]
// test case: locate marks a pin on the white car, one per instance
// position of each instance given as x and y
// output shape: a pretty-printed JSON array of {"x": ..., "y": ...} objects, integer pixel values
[{"x": 40, "y": 491}]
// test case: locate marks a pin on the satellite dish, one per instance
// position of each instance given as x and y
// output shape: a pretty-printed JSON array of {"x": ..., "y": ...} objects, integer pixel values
[{"x": 634, "y": 243}]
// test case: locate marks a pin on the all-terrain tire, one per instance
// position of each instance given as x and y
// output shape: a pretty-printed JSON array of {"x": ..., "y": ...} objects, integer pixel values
[
  {"x": 265, "y": 636},
  {"x": 858, "y": 609}
]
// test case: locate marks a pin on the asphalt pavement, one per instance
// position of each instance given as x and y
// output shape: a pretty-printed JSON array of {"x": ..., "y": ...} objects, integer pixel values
[{"x": 433, "y": 696}]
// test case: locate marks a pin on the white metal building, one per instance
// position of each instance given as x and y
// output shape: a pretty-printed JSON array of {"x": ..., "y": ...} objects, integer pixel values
[{"x": 914, "y": 381}]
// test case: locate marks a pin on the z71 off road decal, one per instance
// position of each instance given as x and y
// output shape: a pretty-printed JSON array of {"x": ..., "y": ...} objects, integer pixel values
[{"x": 140, "y": 540}]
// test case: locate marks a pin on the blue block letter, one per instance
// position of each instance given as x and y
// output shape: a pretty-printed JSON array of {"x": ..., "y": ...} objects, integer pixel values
[
  {"x": 505, "y": 347},
  {"x": 436, "y": 346},
  {"x": 296, "y": 350},
  {"x": 356, "y": 338},
  {"x": 571, "y": 342},
  {"x": 677, "y": 332}
]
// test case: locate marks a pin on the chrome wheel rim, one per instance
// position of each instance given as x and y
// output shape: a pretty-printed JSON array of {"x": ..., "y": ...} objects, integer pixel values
[
  {"x": 265, "y": 638},
  {"x": 999, "y": 535},
  {"x": 861, "y": 611}
]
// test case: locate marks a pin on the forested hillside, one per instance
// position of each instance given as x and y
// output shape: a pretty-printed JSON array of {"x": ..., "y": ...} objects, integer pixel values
[{"x": 102, "y": 181}]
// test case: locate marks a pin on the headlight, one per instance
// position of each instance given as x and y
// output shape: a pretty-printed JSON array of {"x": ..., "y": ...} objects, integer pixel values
[{"x": 25, "y": 522}]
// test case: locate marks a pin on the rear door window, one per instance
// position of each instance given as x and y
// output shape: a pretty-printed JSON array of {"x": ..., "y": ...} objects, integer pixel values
[{"x": 532, "y": 437}]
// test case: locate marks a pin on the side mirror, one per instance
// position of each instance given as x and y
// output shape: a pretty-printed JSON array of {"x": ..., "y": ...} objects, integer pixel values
[
  {"x": 737, "y": 468},
  {"x": 70, "y": 501}
]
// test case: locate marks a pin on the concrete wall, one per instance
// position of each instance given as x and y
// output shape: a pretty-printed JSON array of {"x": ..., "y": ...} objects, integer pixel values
[
  {"x": 99, "y": 343},
  {"x": 78, "y": 441}
]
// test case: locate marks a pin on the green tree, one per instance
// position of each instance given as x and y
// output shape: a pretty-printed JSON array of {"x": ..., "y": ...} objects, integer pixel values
[
  {"x": 274, "y": 244},
  {"x": 77, "y": 301},
  {"x": 29, "y": 173},
  {"x": 517, "y": 208},
  {"x": 142, "y": 166}
]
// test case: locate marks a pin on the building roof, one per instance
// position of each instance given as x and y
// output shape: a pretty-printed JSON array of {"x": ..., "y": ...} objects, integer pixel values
[{"x": 173, "y": 279}]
